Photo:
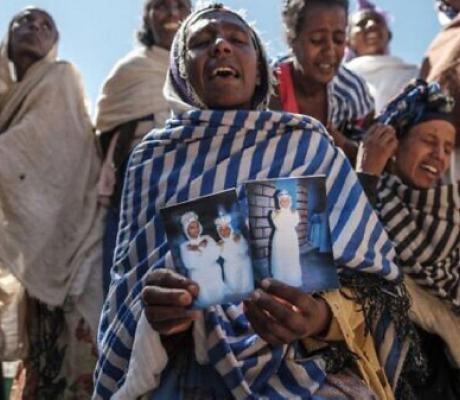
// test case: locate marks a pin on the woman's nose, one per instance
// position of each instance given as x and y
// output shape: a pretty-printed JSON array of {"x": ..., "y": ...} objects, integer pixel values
[{"x": 221, "y": 45}]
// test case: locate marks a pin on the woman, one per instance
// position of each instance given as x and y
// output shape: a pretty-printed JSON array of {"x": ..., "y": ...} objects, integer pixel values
[
  {"x": 221, "y": 136},
  {"x": 131, "y": 104},
  {"x": 234, "y": 251},
  {"x": 199, "y": 255},
  {"x": 51, "y": 225},
  {"x": 312, "y": 81},
  {"x": 421, "y": 215},
  {"x": 368, "y": 40},
  {"x": 441, "y": 64},
  {"x": 285, "y": 242}
]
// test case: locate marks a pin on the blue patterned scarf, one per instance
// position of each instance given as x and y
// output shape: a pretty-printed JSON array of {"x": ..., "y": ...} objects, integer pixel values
[{"x": 200, "y": 152}]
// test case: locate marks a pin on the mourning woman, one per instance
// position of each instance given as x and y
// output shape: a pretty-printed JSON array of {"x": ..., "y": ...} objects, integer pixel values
[
  {"x": 131, "y": 103},
  {"x": 312, "y": 80},
  {"x": 422, "y": 218},
  {"x": 281, "y": 343},
  {"x": 50, "y": 223}
]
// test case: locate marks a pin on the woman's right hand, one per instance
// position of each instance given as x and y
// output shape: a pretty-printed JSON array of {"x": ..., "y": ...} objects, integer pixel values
[
  {"x": 167, "y": 297},
  {"x": 378, "y": 146}
]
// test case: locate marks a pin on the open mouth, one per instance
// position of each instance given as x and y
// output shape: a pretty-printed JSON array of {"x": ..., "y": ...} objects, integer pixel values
[
  {"x": 326, "y": 67},
  {"x": 171, "y": 26},
  {"x": 430, "y": 169},
  {"x": 225, "y": 72}
]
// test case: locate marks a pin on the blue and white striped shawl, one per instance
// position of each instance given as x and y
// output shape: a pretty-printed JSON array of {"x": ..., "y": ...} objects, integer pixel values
[
  {"x": 201, "y": 152},
  {"x": 349, "y": 99}
]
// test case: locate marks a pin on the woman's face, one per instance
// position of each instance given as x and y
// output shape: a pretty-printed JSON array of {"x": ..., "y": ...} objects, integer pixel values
[
  {"x": 369, "y": 34},
  {"x": 193, "y": 229},
  {"x": 423, "y": 155},
  {"x": 285, "y": 201},
  {"x": 32, "y": 33},
  {"x": 222, "y": 61},
  {"x": 320, "y": 44},
  {"x": 164, "y": 17},
  {"x": 224, "y": 231}
]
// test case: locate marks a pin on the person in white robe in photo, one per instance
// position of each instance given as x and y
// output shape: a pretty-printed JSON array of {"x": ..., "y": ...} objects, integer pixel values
[
  {"x": 235, "y": 254},
  {"x": 285, "y": 253},
  {"x": 199, "y": 255}
]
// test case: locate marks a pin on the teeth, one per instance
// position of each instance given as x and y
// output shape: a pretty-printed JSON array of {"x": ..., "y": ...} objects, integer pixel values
[
  {"x": 224, "y": 71},
  {"x": 171, "y": 26},
  {"x": 325, "y": 66},
  {"x": 429, "y": 168}
]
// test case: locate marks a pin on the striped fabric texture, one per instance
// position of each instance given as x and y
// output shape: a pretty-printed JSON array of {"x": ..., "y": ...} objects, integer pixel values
[
  {"x": 349, "y": 99},
  {"x": 202, "y": 152},
  {"x": 425, "y": 228}
]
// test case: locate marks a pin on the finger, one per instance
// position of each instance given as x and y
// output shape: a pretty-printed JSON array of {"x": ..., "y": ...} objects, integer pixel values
[
  {"x": 260, "y": 322},
  {"x": 288, "y": 319},
  {"x": 155, "y": 295},
  {"x": 303, "y": 301},
  {"x": 162, "y": 313},
  {"x": 172, "y": 327},
  {"x": 167, "y": 278}
]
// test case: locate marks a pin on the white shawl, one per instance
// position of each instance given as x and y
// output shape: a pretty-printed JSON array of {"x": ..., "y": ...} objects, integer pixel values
[
  {"x": 385, "y": 75},
  {"x": 134, "y": 90},
  {"x": 50, "y": 222}
]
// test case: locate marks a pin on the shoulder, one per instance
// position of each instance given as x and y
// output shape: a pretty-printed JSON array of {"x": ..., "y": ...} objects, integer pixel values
[{"x": 347, "y": 78}]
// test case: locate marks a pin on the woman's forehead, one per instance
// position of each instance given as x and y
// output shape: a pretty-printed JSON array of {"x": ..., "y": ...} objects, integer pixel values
[{"x": 217, "y": 19}]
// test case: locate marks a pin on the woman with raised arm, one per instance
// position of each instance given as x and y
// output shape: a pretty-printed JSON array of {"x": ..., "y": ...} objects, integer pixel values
[
  {"x": 281, "y": 343},
  {"x": 131, "y": 104},
  {"x": 312, "y": 80},
  {"x": 422, "y": 218},
  {"x": 50, "y": 224}
]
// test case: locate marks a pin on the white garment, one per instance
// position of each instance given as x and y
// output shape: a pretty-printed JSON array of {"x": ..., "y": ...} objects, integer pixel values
[
  {"x": 385, "y": 75},
  {"x": 237, "y": 264},
  {"x": 204, "y": 269},
  {"x": 285, "y": 254}
]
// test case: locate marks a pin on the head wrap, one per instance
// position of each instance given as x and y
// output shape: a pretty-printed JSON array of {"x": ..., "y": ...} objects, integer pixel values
[
  {"x": 7, "y": 70},
  {"x": 178, "y": 89},
  {"x": 419, "y": 102},
  {"x": 223, "y": 220}
]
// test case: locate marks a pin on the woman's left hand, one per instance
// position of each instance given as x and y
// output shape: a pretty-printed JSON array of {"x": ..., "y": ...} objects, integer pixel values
[{"x": 281, "y": 314}]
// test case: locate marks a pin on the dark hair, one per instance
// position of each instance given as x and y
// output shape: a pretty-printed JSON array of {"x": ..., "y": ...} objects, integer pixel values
[
  {"x": 293, "y": 13},
  {"x": 144, "y": 34}
]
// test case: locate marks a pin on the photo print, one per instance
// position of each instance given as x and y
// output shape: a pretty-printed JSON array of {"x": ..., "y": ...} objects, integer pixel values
[
  {"x": 209, "y": 244},
  {"x": 289, "y": 232}
]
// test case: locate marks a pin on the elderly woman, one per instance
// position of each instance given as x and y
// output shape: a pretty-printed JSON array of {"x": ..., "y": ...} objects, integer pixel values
[
  {"x": 282, "y": 343},
  {"x": 421, "y": 215},
  {"x": 312, "y": 80},
  {"x": 368, "y": 40},
  {"x": 131, "y": 104},
  {"x": 50, "y": 223}
]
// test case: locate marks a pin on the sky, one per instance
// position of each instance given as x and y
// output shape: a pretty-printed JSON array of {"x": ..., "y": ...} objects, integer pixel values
[{"x": 96, "y": 33}]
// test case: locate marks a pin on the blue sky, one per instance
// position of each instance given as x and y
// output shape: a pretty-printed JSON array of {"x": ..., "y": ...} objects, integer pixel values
[{"x": 95, "y": 33}]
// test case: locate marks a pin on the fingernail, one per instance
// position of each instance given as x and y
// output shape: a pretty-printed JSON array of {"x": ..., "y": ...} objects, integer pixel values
[
  {"x": 265, "y": 283},
  {"x": 184, "y": 298},
  {"x": 256, "y": 295}
]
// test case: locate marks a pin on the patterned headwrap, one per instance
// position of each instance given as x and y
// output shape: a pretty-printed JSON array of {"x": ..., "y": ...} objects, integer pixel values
[
  {"x": 183, "y": 95},
  {"x": 419, "y": 102}
]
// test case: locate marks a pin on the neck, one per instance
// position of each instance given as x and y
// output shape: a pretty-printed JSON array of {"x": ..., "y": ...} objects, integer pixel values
[
  {"x": 305, "y": 85},
  {"x": 22, "y": 65}
]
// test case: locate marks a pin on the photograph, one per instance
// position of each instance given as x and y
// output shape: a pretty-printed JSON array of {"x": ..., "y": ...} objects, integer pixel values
[
  {"x": 209, "y": 244},
  {"x": 289, "y": 232}
]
